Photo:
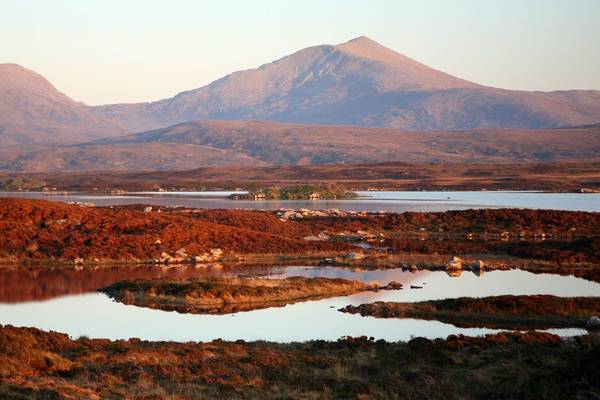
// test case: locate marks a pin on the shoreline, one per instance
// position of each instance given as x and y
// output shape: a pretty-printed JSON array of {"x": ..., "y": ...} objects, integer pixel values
[
  {"x": 409, "y": 262},
  {"x": 523, "y": 312},
  {"x": 231, "y": 295},
  {"x": 40, "y": 233},
  {"x": 553, "y": 176}
]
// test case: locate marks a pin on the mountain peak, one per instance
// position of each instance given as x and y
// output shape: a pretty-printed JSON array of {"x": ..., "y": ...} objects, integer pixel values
[
  {"x": 361, "y": 39},
  {"x": 363, "y": 44},
  {"x": 366, "y": 47}
]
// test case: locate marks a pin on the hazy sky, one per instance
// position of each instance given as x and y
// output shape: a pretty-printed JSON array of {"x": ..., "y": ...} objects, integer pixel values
[{"x": 108, "y": 51}]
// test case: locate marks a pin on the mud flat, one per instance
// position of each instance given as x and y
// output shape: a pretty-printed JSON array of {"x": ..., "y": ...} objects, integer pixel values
[
  {"x": 496, "y": 312},
  {"x": 230, "y": 295}
]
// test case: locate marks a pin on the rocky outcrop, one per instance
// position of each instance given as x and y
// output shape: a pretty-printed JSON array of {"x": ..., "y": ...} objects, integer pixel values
[
  {"x": 454, "y": 264},
  {"x": 212, "y": 256}
]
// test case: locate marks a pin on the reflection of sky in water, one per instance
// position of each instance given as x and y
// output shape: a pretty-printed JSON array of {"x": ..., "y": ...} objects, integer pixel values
[
  {"x": 386, "y": 201},
  {"x": 95, "y": 315}
]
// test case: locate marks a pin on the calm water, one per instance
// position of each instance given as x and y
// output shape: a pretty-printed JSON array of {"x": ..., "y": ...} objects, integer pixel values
[
  {"x": 93, "y": 314},
  {"x": 67, "y": 301},
  {"x": 369, "y": 201}
]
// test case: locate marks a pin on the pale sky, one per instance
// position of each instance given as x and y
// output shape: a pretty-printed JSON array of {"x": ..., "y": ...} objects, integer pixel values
[{"x": 110, "y": 51}]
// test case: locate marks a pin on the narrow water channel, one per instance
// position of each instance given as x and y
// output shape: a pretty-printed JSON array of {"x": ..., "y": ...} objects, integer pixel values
[{"x": 94, "y": 315}]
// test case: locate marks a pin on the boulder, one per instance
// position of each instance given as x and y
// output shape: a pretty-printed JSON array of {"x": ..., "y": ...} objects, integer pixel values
[
  {"x": 181, "y": 252},
  {"x": 593, "y": 323},
  {"x": 199, "y": 259},
  {"x": 312, "y": 239},
  {"x": 393, "y": 285},
  {"x": 147, "y": 209},
  {"x": 216, "y": 253},
  {"x": 454, "y": 272},
  {"x": 212, "y": 256},
  {"x": 165, "y": 258},
  {"x": 323, "y": 236},
  {"x": 355, "y": 256},
  {"x": 455, "y": 263}
]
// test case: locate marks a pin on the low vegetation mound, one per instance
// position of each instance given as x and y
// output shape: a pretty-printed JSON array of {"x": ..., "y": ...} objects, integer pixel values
[
  {"x": 43, "y": 230},
  {"x": 229, "y": 295},
  {"x": 500, "y": 312}
]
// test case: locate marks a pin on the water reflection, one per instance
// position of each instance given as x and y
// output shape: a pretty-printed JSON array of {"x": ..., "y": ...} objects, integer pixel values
[
  {"x": 22, "y": 284},
  {"x": 95, "y": 315},
  {"x": 370, "y": 201}
]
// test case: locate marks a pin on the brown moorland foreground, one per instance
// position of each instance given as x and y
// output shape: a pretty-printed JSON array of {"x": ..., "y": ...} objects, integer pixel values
[
  {"x": 47, "y": 365},
  {"x": 495, "y": 312},
  {"x": 37, "y": 231},
  {"x": 571, "y": 176},
  {"x": 230, "y": 295}
]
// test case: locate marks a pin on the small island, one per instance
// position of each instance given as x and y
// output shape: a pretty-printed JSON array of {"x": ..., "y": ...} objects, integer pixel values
[
  {"x": 231, "y": 295},
  {"x": 303, "y": 192},
  {"x": 494, "y": 312}
]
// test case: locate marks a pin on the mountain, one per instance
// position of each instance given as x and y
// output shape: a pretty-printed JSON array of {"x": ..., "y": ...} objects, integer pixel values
[
  {"x": 33, "y": 111},
  {"x": 255, "y": 143},
  {"x": 362, "y": 83},
  {"x": 359, "y": 83}
]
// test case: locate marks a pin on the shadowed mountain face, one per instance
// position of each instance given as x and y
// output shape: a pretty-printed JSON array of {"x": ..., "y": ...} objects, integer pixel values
[
  {"x": 355, "y": 83},
  {"x": 238, "y": 143}
]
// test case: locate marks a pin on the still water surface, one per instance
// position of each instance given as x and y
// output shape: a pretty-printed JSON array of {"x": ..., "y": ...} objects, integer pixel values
[
  {"x": 67, "y": 301},
  {"x": 95, "y": 315},
  {"x": 369, "y": 201}
]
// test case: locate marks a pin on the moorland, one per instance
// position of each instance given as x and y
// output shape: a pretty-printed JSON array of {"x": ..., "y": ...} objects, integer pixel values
[
  {"x": 46, "y": 365},
  {"x": 554, "y": 177}
]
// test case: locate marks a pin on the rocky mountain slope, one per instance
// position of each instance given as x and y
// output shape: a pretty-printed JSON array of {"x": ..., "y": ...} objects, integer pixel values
[
  {"x": 364, "y": 83},
  {"x": 359, "y": 83},
  {"x": 34, "y": 111}
]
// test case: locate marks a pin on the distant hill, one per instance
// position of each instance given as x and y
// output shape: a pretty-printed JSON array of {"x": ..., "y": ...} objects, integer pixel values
[
  {"x": 360, "y": 83},
  {"x": 392, "y": 176},
  {"x": 33, "y": 111},
  {"x": 234, "y": 143}
]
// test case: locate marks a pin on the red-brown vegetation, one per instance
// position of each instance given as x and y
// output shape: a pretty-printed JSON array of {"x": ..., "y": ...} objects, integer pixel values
[
  {"x": 229, "y": 295},
  {"x": 391, "y": 176},
  {"x": 41, "y": 365},
  {"x": 47, "y": 230},
  {"x": 505, "y": 312}
]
